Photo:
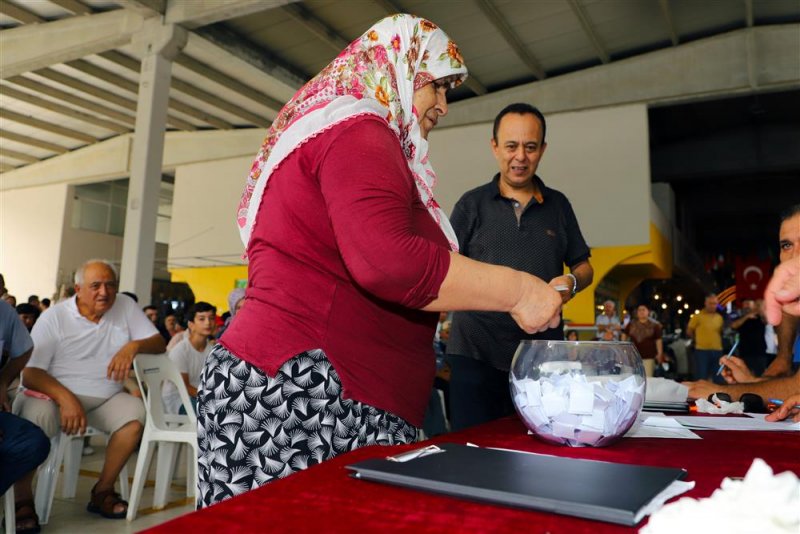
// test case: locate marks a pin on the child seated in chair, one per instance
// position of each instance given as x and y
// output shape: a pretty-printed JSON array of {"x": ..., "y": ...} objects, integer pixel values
[{"x": 189, "y": 355}]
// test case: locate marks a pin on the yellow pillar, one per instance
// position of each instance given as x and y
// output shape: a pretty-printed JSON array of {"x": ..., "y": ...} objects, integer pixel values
[{"x": 657, "y": 255}]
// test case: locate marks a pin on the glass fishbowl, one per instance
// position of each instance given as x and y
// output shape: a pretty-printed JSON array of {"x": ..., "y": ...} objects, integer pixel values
[{"x": 578, "y": 393}]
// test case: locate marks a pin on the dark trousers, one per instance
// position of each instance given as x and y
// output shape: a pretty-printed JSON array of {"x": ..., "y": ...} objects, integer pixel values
[
  {"x": 706, "y": 364},
  {"x": 478, "y": 393},
  {"x": 23, "y": 446}
]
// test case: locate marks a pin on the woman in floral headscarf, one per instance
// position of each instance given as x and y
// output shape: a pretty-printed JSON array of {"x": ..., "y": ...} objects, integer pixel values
[{"x": 350, "y": 259}]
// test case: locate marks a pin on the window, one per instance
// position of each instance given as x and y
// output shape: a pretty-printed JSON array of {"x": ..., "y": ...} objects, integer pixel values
[{"x": 100, "y": 207}]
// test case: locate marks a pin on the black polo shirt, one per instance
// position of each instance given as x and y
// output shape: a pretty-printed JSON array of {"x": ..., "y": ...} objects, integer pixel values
[{"x": 546, "y": 238}]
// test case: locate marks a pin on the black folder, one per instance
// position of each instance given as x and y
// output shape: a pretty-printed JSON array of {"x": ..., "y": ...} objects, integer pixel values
[{"x": 591, "y": 489}]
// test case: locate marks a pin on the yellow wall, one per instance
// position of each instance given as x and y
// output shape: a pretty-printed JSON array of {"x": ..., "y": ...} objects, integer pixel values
[
  {"x": 655, "y": 256},
  {"x": 211, "y": 284}
]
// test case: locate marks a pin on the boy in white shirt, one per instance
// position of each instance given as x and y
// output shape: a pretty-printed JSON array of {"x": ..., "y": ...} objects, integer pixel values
[{"x": 189, "y": 355}]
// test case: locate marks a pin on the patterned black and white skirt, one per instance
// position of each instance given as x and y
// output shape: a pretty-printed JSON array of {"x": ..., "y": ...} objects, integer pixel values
[{"x": 254, "y": 428}]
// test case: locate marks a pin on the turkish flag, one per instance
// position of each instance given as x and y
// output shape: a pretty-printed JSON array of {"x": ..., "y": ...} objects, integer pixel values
[{"x": 752, "y": 275}]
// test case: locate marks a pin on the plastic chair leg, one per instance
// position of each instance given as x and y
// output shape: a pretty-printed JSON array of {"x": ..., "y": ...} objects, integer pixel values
[
  {"x": 10, "y": 511},
  {"x": 48, "y": 478},
  {"x": 73, "y": 452},
  {"x": 164, "y": 470},
  {"x": 139, "y": 475},
  {"x": 191, "y": 470}
]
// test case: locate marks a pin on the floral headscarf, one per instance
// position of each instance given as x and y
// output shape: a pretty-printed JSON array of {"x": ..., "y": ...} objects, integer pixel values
[{"x": 376, "y": 74}]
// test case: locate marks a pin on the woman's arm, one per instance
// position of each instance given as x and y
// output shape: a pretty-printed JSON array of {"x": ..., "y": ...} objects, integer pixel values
[{"x": 473, "y": 285}]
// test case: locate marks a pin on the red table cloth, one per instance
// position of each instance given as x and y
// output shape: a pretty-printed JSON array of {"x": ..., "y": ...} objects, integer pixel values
[{"x": 324, "y": 498}]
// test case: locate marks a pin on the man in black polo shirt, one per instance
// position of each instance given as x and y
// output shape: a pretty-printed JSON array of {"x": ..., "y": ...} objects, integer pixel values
[{"x": 517, "y": 221}]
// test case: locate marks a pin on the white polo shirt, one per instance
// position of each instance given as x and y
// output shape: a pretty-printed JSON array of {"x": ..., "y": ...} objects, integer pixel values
[{"x": 76, "y": 352}]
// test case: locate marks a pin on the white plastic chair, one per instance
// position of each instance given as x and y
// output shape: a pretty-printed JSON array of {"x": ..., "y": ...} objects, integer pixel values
[
  {"x": 167, "y": 430},
  {"x": 10, "y": 510},
  {"x": 66, "y": 449}
]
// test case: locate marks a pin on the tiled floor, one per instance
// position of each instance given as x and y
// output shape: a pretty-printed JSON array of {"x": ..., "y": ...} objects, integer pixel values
[{"x": 70, "y": 515}]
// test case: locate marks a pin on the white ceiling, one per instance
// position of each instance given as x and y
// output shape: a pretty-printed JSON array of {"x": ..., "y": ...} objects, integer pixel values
[{"x": 244, "y": 58}]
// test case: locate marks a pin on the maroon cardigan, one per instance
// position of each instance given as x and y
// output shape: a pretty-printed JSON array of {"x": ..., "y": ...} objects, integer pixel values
[{"x": 342, "y": 256}]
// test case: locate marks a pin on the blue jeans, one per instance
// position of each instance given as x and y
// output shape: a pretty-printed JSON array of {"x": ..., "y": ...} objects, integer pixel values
[
  {"x": 706, "y": 363},
  {"x": 23, "y": 446}
]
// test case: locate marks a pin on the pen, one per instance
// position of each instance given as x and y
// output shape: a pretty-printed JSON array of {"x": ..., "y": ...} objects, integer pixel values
[
  {"x": 728, "y": 356},
  {"x": 778, "y": 402}
]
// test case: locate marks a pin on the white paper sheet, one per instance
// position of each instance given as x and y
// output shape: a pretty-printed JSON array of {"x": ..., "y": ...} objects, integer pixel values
[
  {"x": 753, "y": 422},
  {"x": 655, "y": 425}
]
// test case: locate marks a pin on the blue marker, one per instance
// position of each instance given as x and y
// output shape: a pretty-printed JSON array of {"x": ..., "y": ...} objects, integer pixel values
[
  {"x": 778, "y": 402},
  {"x": 728, "y": 356}
]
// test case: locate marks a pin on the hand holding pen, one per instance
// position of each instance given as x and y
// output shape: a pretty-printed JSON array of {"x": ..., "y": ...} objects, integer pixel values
[
  {"x": 727, "y": 356},
  {"x": 786, "y": 408}
]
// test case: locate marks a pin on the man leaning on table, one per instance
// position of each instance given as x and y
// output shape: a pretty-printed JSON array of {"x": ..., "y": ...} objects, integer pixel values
[
  {"x": 782, "y": 297},
  {"x": 83, "y": 349}
]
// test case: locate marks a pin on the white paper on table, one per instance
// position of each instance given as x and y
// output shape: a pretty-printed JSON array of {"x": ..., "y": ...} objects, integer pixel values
[
  {"x": 678, "y": 487},
  {"x": 656, "y": 425},
  {"x": 752, "y": 422}
]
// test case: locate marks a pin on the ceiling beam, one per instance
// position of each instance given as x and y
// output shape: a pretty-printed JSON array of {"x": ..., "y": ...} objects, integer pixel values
[
  {"x": 28, "y": 48},
  {"x": 588, "y": 30},
  {"x": 748, "y": 13},
  {"x": 223, "y": 79},
  {"x": 6, "y": 167},
  {"x": 108, "y": 96},
  {"x": 21, "y": 14},
  {"x": 25, "y": 140},
  {"x": 73, "y": 6},
  {"x": 204, "y": 12},
  {"x": 666, "y": 10},
  {"x": 250, "y": 53},
  {"x": 499, "y": 22},
  {"x": 132, "y": 87},
  {"x": 195, "y": 92},
  {"x": 13, "y": 154},
  {"x": 310, "y": 22},
  {"x": 64, "y": 110},
  {"x": 472, "y": 82},
  {"x": 146, "y": 8},
  {"x": 47, "y": 126},
  {"x": 94, "y": 107}
]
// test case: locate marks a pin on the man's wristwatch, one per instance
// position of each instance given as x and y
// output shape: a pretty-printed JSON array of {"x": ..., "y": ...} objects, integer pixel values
[{"x": 574, "y": 284}]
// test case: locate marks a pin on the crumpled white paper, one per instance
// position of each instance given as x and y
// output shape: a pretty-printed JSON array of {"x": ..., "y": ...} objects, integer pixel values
[
  {"x": 761, "y": 502},
  {"x": 567, "y": 408},
  {"x": 718, "y": 406}
]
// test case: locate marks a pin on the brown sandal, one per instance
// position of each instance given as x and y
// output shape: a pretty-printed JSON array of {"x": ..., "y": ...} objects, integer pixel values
[
  {"x": 30, "y": 514},
  {"x": 103, "y": 503}
]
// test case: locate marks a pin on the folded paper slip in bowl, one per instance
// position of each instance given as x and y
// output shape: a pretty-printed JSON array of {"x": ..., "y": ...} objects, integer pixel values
[{"x": 567, "y": 486}]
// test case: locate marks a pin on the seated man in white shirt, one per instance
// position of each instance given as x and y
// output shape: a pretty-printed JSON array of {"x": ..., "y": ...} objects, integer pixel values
[
  {"x": 83, "y": 349},
  {"x": 189, "y": 355}
]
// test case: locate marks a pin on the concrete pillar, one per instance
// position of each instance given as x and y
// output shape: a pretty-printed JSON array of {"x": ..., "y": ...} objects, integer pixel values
[{"x": 159, "y": 45}]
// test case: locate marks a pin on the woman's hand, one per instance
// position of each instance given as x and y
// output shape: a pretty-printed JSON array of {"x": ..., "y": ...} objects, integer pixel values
[{"x": 538, "y": 307}]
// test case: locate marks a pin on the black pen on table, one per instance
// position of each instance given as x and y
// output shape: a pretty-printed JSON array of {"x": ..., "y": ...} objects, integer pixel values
[{"x": 728, "y": 356}]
